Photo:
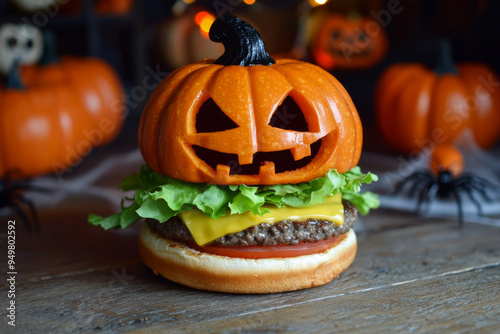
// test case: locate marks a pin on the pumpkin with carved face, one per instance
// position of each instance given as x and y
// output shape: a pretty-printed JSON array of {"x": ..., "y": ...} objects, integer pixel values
[
  {"x": 349, "y": 42},
  {"x": 239, "y": 150},
  {"x": 288, "y": 122}
]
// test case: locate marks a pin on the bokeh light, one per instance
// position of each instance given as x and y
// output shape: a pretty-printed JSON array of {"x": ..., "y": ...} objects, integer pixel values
[{"x": 204, "y": 20}]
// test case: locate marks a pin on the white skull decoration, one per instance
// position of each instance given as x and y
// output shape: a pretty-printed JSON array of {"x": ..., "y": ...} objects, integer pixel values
[{"x": 19, "y": 40}]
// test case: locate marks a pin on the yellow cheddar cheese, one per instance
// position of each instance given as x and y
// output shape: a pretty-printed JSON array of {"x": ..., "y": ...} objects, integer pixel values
[{"x": 205, "y": 229}]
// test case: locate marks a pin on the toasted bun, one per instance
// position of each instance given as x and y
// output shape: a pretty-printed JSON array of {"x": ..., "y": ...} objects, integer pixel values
[{"x": 187, "y": 266}]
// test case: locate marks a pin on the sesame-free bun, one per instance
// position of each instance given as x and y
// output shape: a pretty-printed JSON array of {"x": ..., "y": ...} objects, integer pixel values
[{"x": 182, "y": 264}]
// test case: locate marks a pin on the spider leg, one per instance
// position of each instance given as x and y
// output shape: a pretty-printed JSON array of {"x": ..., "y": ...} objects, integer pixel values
[
  {"x": 478, "y": 184},
  {"x": 21, "y": 214},
  {"x": 27, "y": 186},
  {"x": 470, "y": 193},
  {"x": 31, "y": 207},
  {"x": 427, "y": 194},
  {"x": 456, "y": 193},
  {"x": 480, "y": 190},
  {"x": 412, "y": 178}
]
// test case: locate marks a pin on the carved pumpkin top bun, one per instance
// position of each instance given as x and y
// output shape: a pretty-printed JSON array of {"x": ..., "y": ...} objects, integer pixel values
[{"x": 247, "y": 119}]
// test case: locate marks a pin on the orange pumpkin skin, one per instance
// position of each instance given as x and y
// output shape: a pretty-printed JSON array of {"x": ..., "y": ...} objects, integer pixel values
[
  {"x": 445, "y": 157},
  {"x": 349, "y": 42},
  {"x": 96, "y": 84},
  {"x": 249, "y": 96},
  {"x": 38, "y": 127},
  {"x": 415, "y": 107}
]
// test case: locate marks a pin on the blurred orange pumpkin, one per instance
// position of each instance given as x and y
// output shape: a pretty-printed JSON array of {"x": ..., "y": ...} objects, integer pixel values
[
  {"x": 95, "y": 83},
  {"x": 417, "y": 106},
  {"x": 97, "y": 88},
  {"x": 349, "y": 42},
  {"x": 38, "y": 126},
  {"x": 261, "y": 122}
]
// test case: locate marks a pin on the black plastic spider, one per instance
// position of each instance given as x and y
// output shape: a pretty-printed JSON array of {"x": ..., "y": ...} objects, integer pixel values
[
  {"x": 446, "y": 179},
  {"x": 11, "y": 197}
]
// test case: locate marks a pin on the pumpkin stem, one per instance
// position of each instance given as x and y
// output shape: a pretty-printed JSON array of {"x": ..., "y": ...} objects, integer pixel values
[
  {"x": 243, "y": 45},
  {"x": 14, "y": 80},
  {"x": 49, "y": 55},
  {"x": 445, "y": 63}
]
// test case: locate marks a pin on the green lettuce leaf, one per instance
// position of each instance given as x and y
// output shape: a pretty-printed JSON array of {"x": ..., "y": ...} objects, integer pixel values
[{"x": 161, "y": 197}]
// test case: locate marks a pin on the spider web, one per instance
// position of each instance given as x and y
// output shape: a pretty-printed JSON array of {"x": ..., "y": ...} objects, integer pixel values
[{"x": 393, "y": 169}]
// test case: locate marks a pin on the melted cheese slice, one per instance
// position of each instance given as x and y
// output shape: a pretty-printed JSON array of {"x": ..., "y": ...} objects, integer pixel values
[{"x": 205, "y": 229}]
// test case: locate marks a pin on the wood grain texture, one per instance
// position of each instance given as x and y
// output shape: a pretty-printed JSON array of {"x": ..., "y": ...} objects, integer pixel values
[
  {"x": 463, "y": 302},
  {"x": 96, "y": 282}
]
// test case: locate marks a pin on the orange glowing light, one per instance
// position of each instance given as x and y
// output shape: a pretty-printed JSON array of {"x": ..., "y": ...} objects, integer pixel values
[
  {"x": 204, "y": 20},
  {"x": 249, "y": 2},
  {"x": 315, "y": 3}
]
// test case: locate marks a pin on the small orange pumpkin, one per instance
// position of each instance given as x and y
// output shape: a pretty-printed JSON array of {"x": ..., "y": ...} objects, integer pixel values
[
  {"x": 349, "y": 42},
  {"x": 37, "y": 127},
  {"x": 246, "y": 119},
  {"x": 446, "y": 157},
  {"x": 417, "y": 106},
  {"x": 97, "y": 85}
]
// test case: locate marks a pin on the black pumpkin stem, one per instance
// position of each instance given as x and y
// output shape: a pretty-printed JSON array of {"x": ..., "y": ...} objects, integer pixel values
[
  {"x": 49, "y": 55},
  {"x": 445, "y": 63},
  {"x": 14, "y": 80},
  {"x": 243, "y": 45}
]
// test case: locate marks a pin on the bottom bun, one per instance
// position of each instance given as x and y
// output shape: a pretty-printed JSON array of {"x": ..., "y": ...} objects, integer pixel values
[{"x": 182, "y": 264}]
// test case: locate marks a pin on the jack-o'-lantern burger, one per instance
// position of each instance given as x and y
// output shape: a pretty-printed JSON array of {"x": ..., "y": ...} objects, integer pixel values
[{"x": 251, "y": 184}]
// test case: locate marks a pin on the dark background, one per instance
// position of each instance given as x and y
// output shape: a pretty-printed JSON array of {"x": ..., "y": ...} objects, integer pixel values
[{"x": 127, "y": 42}]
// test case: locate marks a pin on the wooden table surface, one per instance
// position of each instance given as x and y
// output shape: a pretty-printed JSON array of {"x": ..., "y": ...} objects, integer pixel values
[{"x": 410, "y": 275}]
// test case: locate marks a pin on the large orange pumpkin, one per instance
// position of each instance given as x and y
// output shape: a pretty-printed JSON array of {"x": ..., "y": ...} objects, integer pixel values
[
  {"x": 246, "y": 119},
  {"x": 95, "y": 83},
  {"x": 38, "y": 127},
  {"x": 417, "y": 106},
  {"x": 349, "y": 42}
]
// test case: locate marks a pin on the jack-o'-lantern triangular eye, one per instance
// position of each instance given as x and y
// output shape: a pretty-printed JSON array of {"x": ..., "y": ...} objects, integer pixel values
[
  {"x": 211, "y": 118},
  {"x": 289, "y": 116}
]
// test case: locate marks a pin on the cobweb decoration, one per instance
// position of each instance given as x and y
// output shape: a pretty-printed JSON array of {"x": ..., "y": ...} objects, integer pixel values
[{"x": 393, "y": 169}]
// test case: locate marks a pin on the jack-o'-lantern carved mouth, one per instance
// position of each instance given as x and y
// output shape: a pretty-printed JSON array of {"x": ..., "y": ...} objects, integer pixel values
[
  {"x": 285, "y": 154},
  {"x": 280, "y": 161}
]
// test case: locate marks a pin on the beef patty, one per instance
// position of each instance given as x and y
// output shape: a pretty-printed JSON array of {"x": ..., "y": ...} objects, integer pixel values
[{"x": 265, "y": 234}]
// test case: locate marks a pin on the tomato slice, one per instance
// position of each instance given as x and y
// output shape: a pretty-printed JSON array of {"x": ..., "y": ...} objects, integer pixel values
[{"x": 266, "y": 252}]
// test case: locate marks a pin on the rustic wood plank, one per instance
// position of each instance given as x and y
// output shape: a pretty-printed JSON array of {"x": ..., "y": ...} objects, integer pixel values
[
  {"x": 69, "y": 244},
  {"x": 125, "y": 295},
  {"x": 454, "y": 303}
]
